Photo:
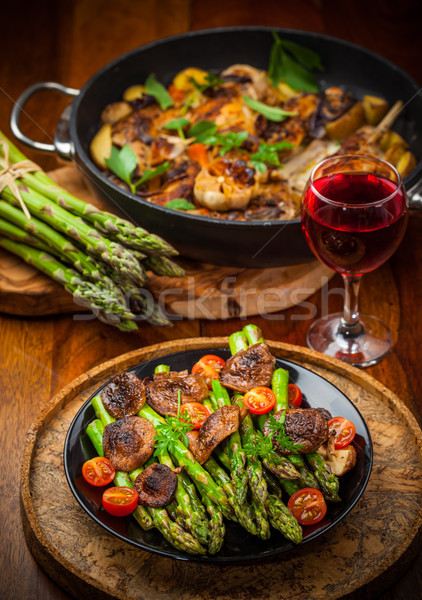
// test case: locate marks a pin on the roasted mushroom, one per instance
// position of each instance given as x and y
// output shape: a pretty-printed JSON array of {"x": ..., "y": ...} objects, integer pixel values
[
  {"x": 248, "y": 369},
  {"x": 340, "y": 461},
  {"x": 128, "y": 442},
  {"x": 219, "y": 425},
  {"x": 124, "y": 396},
  {"x": 162, "y": 392},
  {"x": 156, "y": 485},
  {"x": 305, "y": 427}
]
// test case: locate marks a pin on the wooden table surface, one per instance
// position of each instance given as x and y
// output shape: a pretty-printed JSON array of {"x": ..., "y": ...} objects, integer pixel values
[{"x": 68, "y": 42}]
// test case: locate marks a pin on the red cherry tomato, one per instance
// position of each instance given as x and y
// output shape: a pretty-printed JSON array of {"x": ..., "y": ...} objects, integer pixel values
[
  {"x": 120, "y": 501},
  {"x": 197, "y": 412},
  {"x": 259, "y": 400},
  {"x": 209, "y": 367},
  {"x": 345, "y": 431},
  {"x": 98, "y": 471},
  {"x": 307, "y": 506},
  {"x": 294, "y": 394}
]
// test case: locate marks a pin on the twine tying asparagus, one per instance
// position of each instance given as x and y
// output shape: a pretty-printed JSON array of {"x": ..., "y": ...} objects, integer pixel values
[{"x": 11, "y": 172}]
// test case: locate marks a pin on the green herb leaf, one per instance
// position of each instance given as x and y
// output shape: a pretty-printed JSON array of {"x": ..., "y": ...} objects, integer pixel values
[
  {"x": 309, "y": 58},
  {"x": 212, "y": 80},
  {"x": 285, "y": 57},
  {"x": 177, "y": 123},
  {"x": 230, "y": 140},
  {"x": 203, "y": 132},
  {"x": 173, "y": 430},
  {"x": 180, "y": 204},
  {"x": 156, "y": 89},
  {"x": 272, "y": 113},
  {"x": 267, "y": 154},
  {"x": 123, "y": 163},
  {"x": 297, "y": 77},
  {"x": 150, "y": 173},
  {"x": 261, "y": 446},
  {"x": 188, "y": 103}
]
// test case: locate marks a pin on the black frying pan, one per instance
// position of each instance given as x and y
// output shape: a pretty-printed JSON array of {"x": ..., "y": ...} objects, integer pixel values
[{"x": 246, "y": 244}]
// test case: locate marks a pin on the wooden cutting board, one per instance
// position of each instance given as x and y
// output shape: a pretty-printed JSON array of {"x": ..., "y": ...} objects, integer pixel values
[
  {"x": 358, "y": 558},
  {"x": 207, "y": 291}
]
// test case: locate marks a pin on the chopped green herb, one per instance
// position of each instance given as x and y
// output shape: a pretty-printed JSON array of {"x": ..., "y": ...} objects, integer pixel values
[
  {"x": 277, "y": 431},
  {"x": 293, "y": 63},
  {"x": 173, "y": 430},
  {"x": 180, "y": 204},
  {"x": 178, "y": 125},
  {"x": 260, "y": 447},
  {"x": 156, "y": 89},
  {"x": 203, "y": 132},
  {"x": 272, "y": 113}
]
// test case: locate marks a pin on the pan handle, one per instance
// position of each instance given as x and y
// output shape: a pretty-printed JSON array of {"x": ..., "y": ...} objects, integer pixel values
[
  {"x": 414, "y": 195},
  {"x": 64, "y": 149}
]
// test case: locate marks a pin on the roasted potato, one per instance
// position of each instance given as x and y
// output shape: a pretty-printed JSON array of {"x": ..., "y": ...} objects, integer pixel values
[
  {"x": 390, "y": 138},
  {"x": 115, "y": 111},
  {"x": 182, "y": 80},
  {"x": 406, "y": 164},
  {"x": 375, "y": 109},
  {"x": 100, "y": 147},
  {"x": 133, "y": 92},
  {"x": 394, "y": 154},
  {"x": 347, "y": 123}
]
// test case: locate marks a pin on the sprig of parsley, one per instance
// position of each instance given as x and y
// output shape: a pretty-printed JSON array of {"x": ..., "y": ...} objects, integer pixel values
[
  {"x": 173, "y": 430},
  {"x": 230, "y": 140},
  {"x": 293, "y": 63},
  {"x": 277, "y": 432},
  {"x": 178, "y": 125},
  {"x": 123, "y": 164},
  {"x": 267, "y": 154},
  {"x": 212, "y": 80}
]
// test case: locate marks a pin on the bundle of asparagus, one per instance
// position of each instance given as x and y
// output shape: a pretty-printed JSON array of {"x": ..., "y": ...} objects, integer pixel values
[
  {"x": 237, "y": 482},
  {"x": 101, "y": 259}
]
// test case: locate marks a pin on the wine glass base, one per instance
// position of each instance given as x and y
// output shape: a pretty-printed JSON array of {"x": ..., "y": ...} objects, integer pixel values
[{"x": 366, "y": 348}]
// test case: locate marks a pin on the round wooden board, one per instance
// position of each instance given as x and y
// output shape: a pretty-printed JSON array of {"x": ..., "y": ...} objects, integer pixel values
[
  {"x": 207, "y": 291},
  {"x": 363, "y": 550}
]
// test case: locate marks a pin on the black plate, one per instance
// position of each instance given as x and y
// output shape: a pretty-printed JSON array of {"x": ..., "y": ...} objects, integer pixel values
[{"x": 239, "y": 546}]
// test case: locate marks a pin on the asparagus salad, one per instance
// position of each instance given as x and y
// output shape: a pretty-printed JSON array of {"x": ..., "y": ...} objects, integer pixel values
[{"x": 183, "y": 452}]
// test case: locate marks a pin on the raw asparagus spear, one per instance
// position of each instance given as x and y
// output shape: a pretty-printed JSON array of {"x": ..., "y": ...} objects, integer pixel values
[
  {"x": 85, "y": 293},
  {"x": 121, "y": 230}
]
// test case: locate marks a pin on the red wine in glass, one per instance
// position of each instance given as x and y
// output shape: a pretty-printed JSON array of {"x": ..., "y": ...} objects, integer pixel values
[
  {"x": 359, "y": 230},
  {"x": 354, "y": 215}
]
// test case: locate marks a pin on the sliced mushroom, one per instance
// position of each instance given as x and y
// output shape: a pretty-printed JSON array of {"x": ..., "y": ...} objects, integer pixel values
[
  {"x": 219, "y": 425},
  {"x": 340, "y": 461},
  {"x": 248, "y": 369},
  {"x": 124, "y": 396},
  {"x": 162, "y": 392},
  {"x": 128, "y": 442},
  {"x": 156, "y": 485}
]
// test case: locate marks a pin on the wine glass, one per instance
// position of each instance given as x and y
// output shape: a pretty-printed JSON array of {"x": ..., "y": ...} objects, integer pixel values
[{"x": 354, "y": 214}]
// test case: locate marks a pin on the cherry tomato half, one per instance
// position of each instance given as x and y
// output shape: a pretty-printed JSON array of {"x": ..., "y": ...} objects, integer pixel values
[
  {"x": 120, "y": 501},
  {"x": 259, "y": 400},
  {"x": 197, "y": 412},
  {"x": 308, "y": 506},
  {"x": 98, "y": 471},
  {"x": 294, "y": 394},
  {"x": 345, "y": 431},
  {"x": 209, "y": 367}
]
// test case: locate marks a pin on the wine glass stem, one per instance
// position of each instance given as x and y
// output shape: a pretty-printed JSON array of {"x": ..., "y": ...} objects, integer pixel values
[{"x": 350, "y": 326}]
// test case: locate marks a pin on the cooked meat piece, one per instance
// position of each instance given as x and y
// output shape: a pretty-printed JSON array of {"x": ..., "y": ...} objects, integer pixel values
[
  {"x": 128, "y": 442},
  {"x": 219, "y": 425},
  {"x": 304, "y": 426},
  {"x": 124, "y": 396},
  {"x": 248, "y": 369},
  {"x": 156, "y": 485},
  {"x": 163, "y": 390}
]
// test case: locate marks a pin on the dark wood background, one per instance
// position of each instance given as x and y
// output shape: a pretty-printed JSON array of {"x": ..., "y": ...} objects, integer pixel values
[{"x": 68, "y": 42}]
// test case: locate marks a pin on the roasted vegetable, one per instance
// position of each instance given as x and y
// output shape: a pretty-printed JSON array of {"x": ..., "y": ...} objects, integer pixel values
[
  {"x": 347, "y": 123},
  {"x": 375, "y": 109}
]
